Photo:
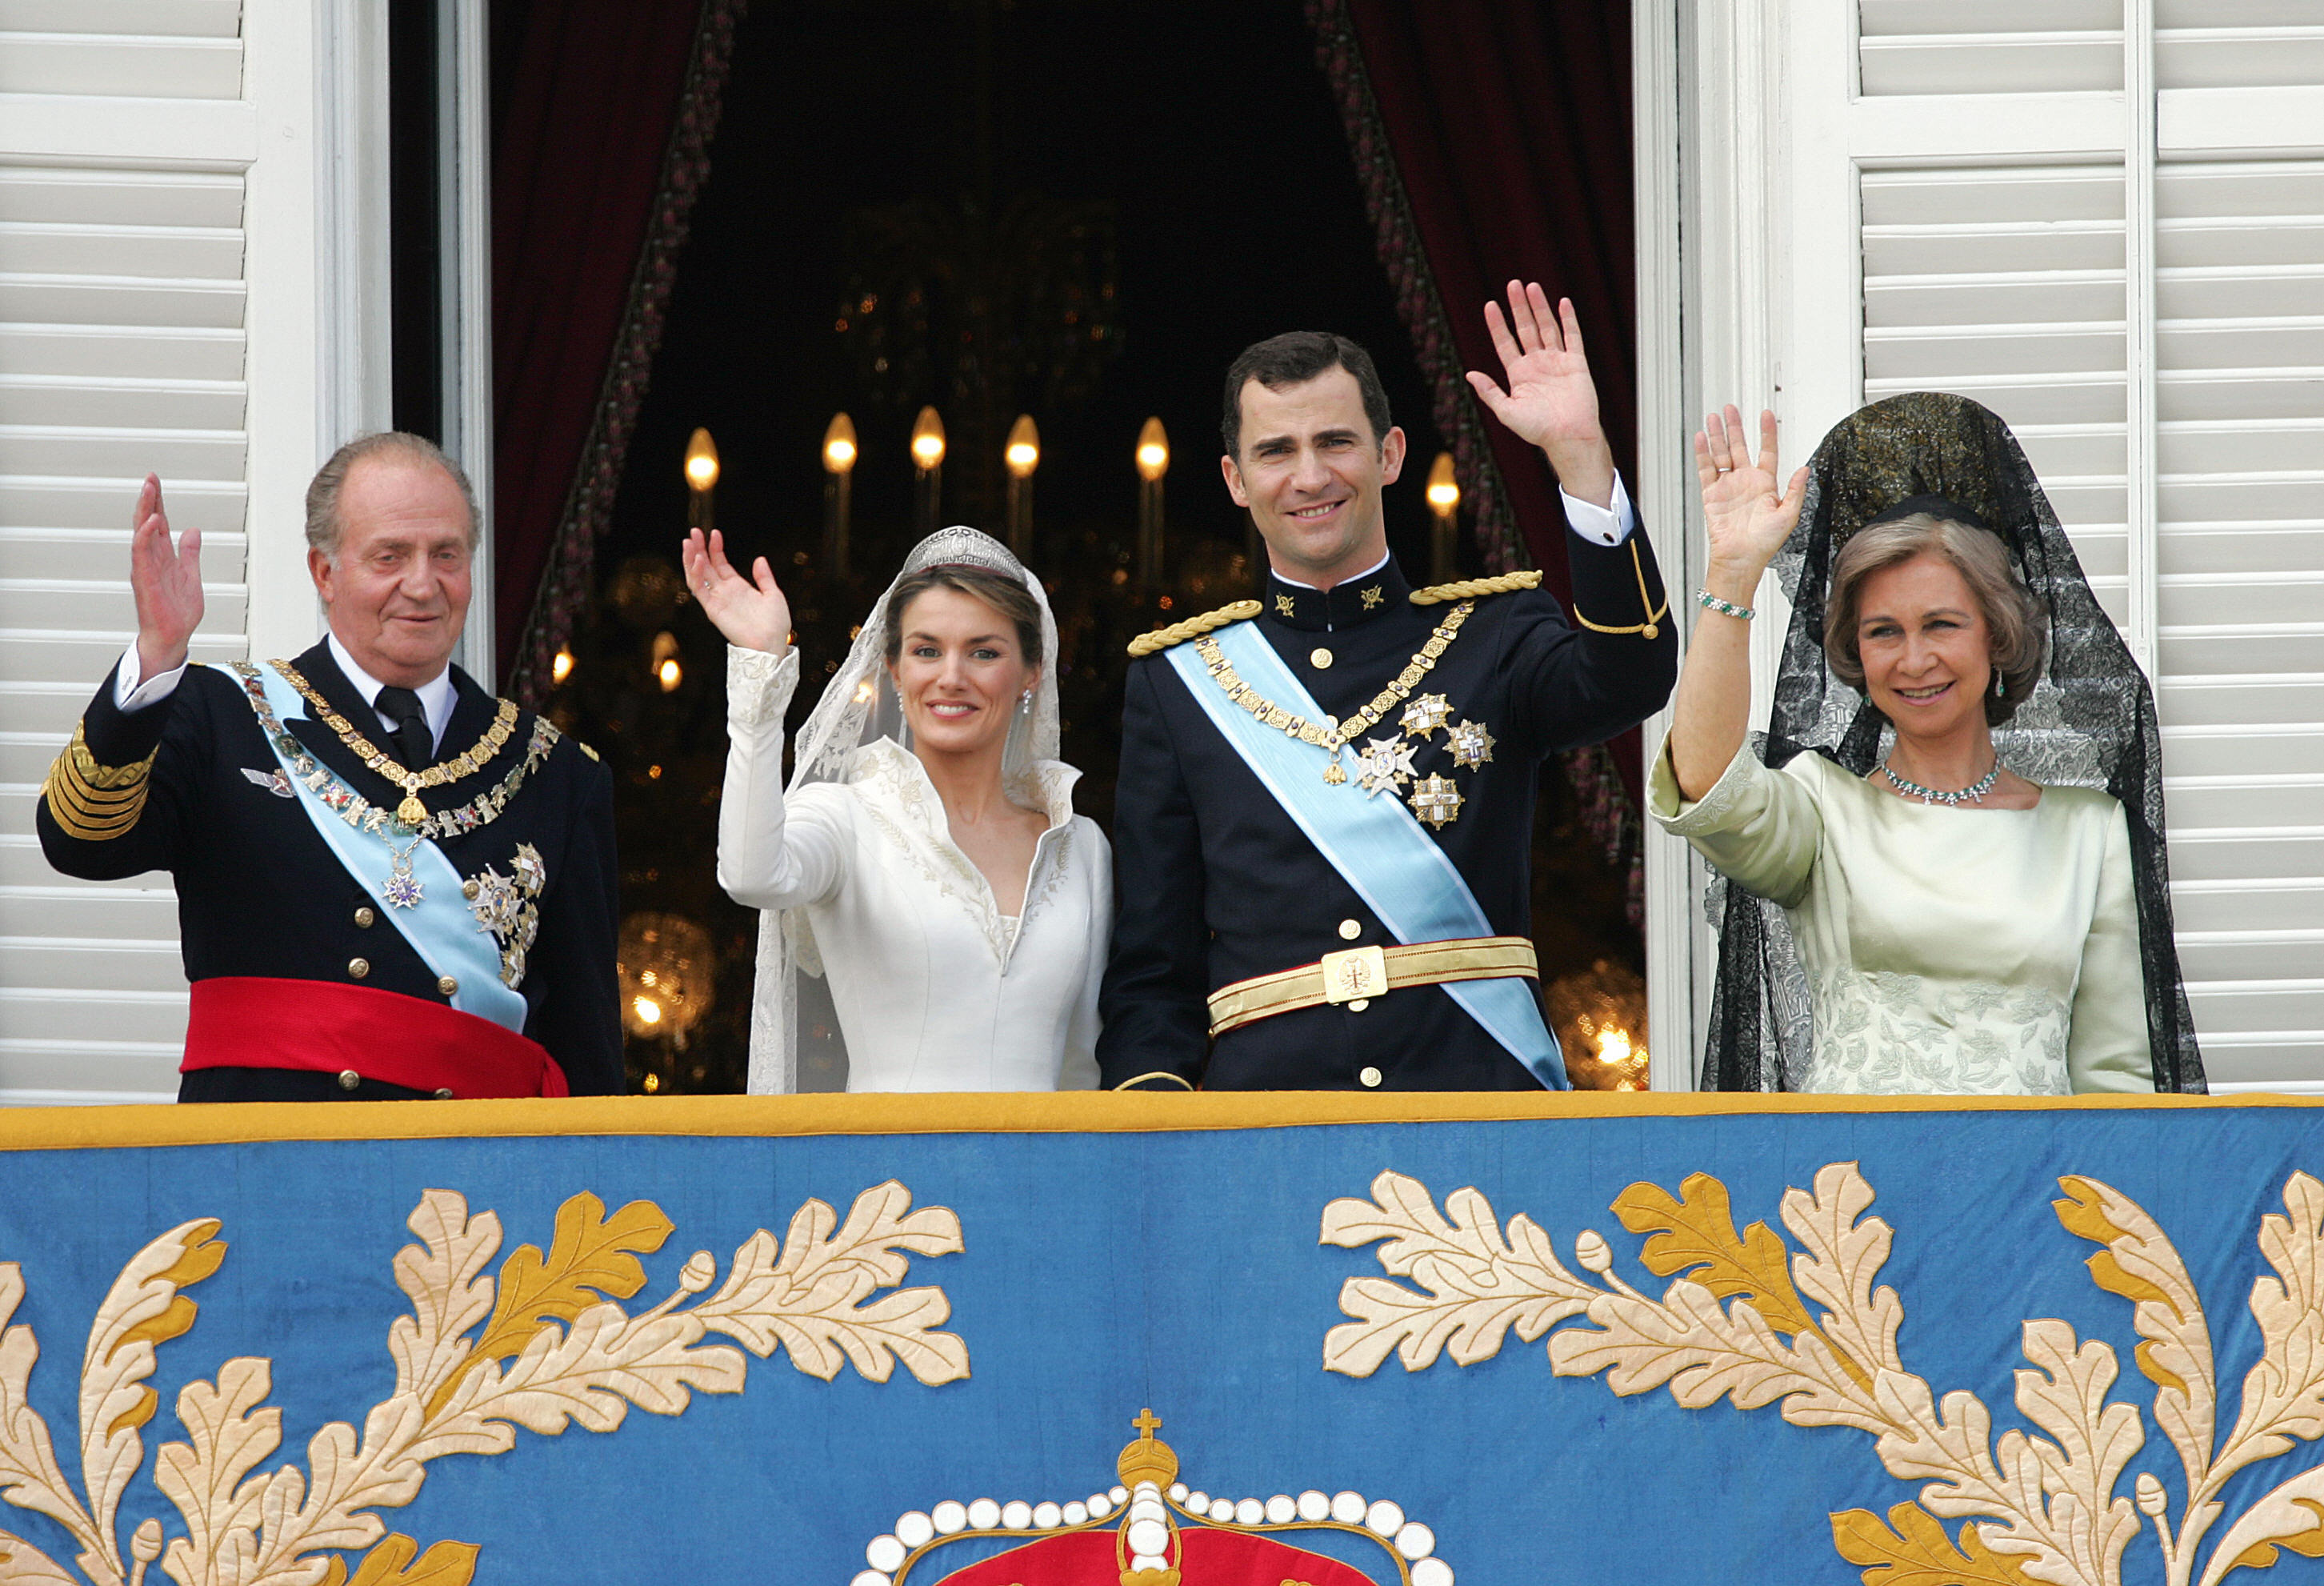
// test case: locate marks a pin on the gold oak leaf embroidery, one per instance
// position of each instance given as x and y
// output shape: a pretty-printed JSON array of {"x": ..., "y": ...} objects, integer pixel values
[
  {"x": 391, "y": 1564},
  {"x": 592, "y": 1257},
  {"x": 817, "y": 1297},
  {"x": 1918, "y": 1553},
  {"x": 199, "y": 1254},
  {"x": 1694, "y": 1235},
  {"x": 2309, "y": 1544}
]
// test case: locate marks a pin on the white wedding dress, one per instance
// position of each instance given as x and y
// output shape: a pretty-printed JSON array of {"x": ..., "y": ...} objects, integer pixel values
[{"x": 934, "y": 988}]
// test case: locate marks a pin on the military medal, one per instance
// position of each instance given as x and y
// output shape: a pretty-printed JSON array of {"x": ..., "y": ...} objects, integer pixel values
[
  {"x": 403, "y": 888},
  {"x": 1332, "y": 733}
]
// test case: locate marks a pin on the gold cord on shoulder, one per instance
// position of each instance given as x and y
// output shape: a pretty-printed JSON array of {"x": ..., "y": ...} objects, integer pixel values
[
  {"x": 1645, "y": 630},
  {"x": 1240, "y": 611},
  {"x": 1471, "y": 588},
  {"x": 94, "y": 803}
]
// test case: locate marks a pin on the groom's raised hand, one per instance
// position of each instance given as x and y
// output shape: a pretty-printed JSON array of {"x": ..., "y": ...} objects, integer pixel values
[{"x": 1551, "y": 400}]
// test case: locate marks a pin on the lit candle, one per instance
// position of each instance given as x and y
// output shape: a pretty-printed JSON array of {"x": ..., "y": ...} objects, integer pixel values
[
  {"x": 1153, "y": 463},
  {"x": 839, "y": 475},
  {"x": 928, "y": 460},
  {"x": 1444, "y": 500},
  {"x": 701, "y": 482},
  {"x": 1020, "y": 457}
]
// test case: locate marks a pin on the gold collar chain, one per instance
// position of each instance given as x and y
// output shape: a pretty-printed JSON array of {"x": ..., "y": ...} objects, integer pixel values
[
  {"x": 468, "y": 762},
  {"x": 1332, "y": 733}
]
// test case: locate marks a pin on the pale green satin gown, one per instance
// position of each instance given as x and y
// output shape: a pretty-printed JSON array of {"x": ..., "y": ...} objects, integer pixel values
[{"x": 1949, "y": 951}]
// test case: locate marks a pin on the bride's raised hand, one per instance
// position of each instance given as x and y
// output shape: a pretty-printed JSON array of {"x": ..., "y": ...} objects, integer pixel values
[
  {"x": 751, "y": 611},
  {"x": 1749, "y": 518}
]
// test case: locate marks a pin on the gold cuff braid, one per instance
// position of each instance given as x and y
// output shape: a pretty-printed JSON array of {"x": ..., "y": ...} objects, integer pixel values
[
  {"x": 1474, "y": 588},
  {"x": 95, "y": 803},
  {"x": 1649, "y": 628},
  {"x": 1240, "y": 611}
]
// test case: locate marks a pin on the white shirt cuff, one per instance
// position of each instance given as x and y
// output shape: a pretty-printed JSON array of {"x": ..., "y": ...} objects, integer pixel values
[
  {"x": 1601, "y": 525},
  {"x": 131, "y": 694}
]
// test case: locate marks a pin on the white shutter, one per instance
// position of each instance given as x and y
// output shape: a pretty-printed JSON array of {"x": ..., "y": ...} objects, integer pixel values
[
  {"x": 122, "y": 350},
  {"x": 2239, "y": 405},
  {"x": 2105, "y": 220}
]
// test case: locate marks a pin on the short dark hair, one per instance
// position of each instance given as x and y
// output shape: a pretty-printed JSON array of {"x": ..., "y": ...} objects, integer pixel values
[
  {"x": 1295, "y": 358},
  {"x": 996, "y": 589}
]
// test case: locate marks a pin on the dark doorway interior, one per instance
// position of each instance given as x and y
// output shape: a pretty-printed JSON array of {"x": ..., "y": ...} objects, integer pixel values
[{"x": 1156, "y": 183}]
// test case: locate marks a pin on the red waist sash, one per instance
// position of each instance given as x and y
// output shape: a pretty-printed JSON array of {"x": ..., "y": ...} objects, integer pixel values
[{"x": 253, "y": 1021}]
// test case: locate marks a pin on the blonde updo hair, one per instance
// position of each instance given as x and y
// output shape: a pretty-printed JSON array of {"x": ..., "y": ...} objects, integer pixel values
[{"x": 2016, "y": 626}]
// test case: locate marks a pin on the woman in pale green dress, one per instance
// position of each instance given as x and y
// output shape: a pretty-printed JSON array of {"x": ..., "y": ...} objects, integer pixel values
[{"x": 1961, "y": 929}]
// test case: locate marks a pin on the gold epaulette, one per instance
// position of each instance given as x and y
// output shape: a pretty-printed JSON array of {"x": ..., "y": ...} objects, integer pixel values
[
  {"x": 1471, "y": 588},
  {"x": 95, "y": 803},
  {"x": 1240, "y": 611}
]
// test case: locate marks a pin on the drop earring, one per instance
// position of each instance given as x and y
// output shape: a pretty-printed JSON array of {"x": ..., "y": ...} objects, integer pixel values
[{"x": 2000, "y": 687}]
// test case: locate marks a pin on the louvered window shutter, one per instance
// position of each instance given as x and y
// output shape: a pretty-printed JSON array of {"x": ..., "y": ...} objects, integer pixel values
[{"x": 122, "y": 350}]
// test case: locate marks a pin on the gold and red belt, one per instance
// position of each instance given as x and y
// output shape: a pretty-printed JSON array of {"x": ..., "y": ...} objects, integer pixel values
[
  {"x": 255, "y": 1021},
  {"x": 1360, "y": 973}
]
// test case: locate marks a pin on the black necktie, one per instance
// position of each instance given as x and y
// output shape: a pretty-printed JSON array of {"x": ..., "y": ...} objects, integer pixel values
[{"x": 415, "y": 745}]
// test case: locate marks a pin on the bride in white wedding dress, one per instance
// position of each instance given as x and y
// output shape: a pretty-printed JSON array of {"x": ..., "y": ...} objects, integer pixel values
[{"x": 925, "y": 856}]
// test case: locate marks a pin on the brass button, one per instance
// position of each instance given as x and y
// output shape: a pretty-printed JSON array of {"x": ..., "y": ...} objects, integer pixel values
[
  {"x": 1370, "y": 1079},
  {"x": 358, "y": 967},
  {"x": 1319, "y": 657},
  {"x": 447, "y": 984},
  {"x": 1349, "y": 930},
  {"x": 469, "y": 890},
  {"x": 365, "y": 918},
  {"x": 1358, "y": 1005},
  {"x": 445, "y": 1095},
  {"x": 349, "y": 1079}
]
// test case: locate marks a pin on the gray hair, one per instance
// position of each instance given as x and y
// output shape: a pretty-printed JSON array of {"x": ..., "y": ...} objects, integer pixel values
[
  {"x": 323, "y": 525},
  {"x": 2016, "y": 625}
]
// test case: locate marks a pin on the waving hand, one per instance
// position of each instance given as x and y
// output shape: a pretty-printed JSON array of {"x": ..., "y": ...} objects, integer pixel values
[
  {"x": 1748, "y": 517},
  {"x": 1552, "y": 400},
  {"x": 751, "y": 613},
  {"x": 166, "y": 583}
]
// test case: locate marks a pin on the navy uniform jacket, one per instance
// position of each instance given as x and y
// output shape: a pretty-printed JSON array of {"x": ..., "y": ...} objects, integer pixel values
[
  {"x": 260, "y": 894},
  {"x": 1213, "y": 883}
]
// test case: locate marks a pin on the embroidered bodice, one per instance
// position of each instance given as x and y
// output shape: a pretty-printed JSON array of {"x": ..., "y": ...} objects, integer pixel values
[
  {"x": 1948, "y": 951},
  {"x": 937, "y": 989}
]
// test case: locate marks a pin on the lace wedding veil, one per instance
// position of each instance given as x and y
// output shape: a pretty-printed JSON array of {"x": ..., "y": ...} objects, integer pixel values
[{"x": 796, "y": 1041}]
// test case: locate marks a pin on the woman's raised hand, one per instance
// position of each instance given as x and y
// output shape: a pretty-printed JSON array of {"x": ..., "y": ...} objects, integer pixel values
[
  {"x": 751, "y": 611},
  {"x": 1749, "y": 519}
]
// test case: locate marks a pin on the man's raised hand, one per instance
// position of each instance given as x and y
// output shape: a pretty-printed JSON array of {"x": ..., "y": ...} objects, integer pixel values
[
  {"x": 1747, "y": 518},
  {"x": 1551, "y": 400},
  {"x": 751, "y": 613},
  {"x": 166, "y": 582}
]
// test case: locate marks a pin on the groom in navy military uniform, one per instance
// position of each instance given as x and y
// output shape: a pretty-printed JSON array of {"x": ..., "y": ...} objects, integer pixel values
[{"x": 1325, "y": 810}]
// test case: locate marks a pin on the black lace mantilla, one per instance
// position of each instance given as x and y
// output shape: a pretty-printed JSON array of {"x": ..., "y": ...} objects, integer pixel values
[{"x": 2089, "y": 722}]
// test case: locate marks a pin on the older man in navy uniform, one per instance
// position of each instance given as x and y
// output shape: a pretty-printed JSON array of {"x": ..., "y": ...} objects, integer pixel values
[
  {"x": 390, "y": 884},
  {"x": 1326, "y": 811}
]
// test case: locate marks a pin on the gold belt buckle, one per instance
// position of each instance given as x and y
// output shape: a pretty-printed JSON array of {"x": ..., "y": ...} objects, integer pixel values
[{"x": 1354, "y": 972}]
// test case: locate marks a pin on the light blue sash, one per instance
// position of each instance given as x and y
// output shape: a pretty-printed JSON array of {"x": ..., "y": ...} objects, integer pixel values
[
  {"x": 1375, "y": 844},
  {"x": 440, "y": 926}
]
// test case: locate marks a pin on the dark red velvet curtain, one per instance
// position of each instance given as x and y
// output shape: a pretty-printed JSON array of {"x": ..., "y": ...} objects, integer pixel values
[
  {"x": 595, "y": 106},
  {"x": 1493, "y": 141},
  {"x": 1509, "y": 125}
]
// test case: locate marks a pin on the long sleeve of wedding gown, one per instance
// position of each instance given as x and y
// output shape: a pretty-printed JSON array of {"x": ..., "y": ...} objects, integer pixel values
[{"x": 771, "y": 856}]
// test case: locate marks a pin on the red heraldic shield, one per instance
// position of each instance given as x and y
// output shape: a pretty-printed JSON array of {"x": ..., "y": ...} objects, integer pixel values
[{"x": 1207, "y": 1558}]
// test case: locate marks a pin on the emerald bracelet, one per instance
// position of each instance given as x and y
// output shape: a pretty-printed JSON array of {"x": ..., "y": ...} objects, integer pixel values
[{"x": 1711, "y": 603}]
